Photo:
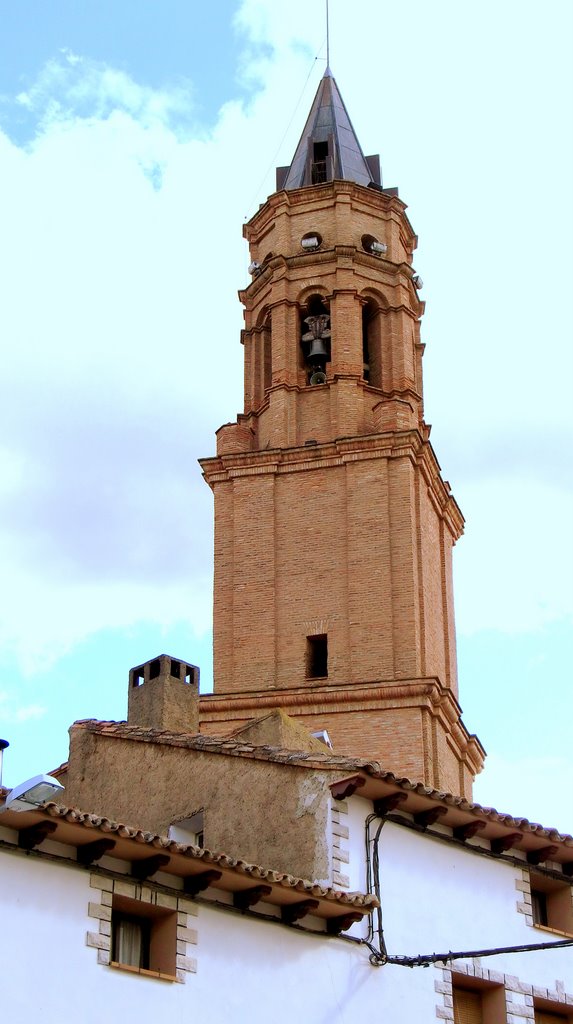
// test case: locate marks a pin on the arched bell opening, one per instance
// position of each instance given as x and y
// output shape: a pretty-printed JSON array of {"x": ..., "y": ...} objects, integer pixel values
[
  {"x": 315, "y": 339},
  {"x": 267, "y": 353},
  {"x": 260, "y": 359},
  {"x": 372, "y": 343}
]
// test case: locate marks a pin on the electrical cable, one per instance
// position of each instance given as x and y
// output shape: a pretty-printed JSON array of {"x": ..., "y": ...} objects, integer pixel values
[
  {"x": 424, "y": 960},
  {"x": 380, "y": 956}
]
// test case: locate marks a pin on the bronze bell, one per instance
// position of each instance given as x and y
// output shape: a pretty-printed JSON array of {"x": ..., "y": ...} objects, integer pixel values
[{"x": 317, "y": 352}]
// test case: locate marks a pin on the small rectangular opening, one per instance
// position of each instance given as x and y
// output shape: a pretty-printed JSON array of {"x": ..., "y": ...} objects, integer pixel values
[
  {"x": 189, "y": 830},
  {"x": 319, "y": 160},
  {"x": 176, "y": 669},
  {"x": 317, "y": 656},
  {"x": 154, "y": 669},
  {"x": 137, "y": 677}
]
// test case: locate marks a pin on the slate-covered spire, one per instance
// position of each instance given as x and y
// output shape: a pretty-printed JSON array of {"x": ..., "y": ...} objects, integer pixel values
[{"x": 328, "y": 146}]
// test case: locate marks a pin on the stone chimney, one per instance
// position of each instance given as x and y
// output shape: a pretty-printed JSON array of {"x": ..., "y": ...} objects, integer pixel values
[{"x": 164, "y": 694}]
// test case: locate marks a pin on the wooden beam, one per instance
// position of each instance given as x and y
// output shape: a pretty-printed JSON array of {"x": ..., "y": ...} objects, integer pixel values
[
  {"x": 33, "y": 835},
  {"x": 194, "y": 884},
  {"x": 386, "y": 804},
  {"x": 504, "y": 843},
  {"x": 468, "y": 831},
  {"x": 294, "y": 911},
  {"x": 429, "y": 817},
  {"x": 336, "y": 925},
  {"x": 90, "y": 852},
  {"x": 538, "y": 856},
  {"x": 149, "y": 865},
  {"x": 346, "y": 787},
  {"x": 248, "y": 897}
]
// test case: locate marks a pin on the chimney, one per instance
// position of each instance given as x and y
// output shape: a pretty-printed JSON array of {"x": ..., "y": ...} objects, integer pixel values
[{"x": 164, "y": 694}]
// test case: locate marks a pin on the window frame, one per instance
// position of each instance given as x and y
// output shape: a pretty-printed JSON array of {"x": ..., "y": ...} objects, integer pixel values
[
  {"x": 159, "y": 937},
  {"x": 551, "y": 903}
]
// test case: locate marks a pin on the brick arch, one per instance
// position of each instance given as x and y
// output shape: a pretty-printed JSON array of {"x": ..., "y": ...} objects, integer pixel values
[
  {"x": 376, "y": 297},
  {"x": 263, "y": 318},
  {"x": 311, "y": 290}
]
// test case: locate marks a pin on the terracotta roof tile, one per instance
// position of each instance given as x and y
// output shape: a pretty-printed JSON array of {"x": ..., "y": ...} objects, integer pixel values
[
  {"x": 330, "y": 762},
  {"x": 72, "y": 815}
]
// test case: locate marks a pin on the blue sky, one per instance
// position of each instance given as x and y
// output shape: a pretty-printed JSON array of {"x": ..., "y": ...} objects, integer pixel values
[{"x": 135, "y": 137}]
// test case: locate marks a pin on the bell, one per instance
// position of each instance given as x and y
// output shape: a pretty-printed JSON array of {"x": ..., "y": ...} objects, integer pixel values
[{"x": 317, "y": 351}]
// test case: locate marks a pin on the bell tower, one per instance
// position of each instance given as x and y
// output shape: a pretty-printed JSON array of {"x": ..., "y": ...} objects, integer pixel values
[{"x": 333, "y": 526}]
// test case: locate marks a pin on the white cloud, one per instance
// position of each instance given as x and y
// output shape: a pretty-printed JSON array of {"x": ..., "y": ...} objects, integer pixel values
[
  {"x": 121, "y": 254},
  {"x": 74, "y": 86}
]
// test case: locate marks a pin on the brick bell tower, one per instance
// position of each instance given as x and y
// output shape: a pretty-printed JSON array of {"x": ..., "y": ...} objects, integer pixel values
[{"x": 333, "y": 526}]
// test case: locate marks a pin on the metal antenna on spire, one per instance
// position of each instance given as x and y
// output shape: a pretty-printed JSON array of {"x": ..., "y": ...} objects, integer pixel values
[{"x": 327, "y": 39}]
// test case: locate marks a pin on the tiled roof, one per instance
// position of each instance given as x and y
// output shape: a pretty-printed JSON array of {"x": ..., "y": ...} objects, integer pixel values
[
  {"x": 141, "y": 844},
  {"x": 326, "y": 762}
]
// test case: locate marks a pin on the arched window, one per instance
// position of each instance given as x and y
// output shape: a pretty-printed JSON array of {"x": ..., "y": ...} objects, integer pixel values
[
  {"x": 372, "y": 343},
  {"x": 315, "y": 338},
  {"x": 267, "y": 353}
]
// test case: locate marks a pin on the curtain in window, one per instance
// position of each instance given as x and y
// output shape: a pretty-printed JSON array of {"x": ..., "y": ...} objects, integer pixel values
[{"x": 129, "y": 943}]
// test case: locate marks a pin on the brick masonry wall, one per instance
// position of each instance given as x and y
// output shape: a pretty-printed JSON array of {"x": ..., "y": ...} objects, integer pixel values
[{"x": 352, "y": 536}]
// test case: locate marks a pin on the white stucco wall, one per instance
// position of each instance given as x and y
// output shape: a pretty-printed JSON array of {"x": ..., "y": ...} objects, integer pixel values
[
  {"x": 437, "y": 896},
  {"x": 246, "y": 970}
]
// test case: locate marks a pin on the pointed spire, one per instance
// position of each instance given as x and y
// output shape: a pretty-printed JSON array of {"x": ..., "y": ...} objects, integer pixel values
[{"x": 328, "y": 146}]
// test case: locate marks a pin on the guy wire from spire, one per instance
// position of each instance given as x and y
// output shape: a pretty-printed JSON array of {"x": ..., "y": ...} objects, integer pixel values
[{"x": 286, "y": 131}]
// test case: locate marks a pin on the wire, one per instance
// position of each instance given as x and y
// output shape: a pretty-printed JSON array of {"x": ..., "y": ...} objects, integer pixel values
[
  {"x": 378, "y": 957},
  {"x": 424, "y": 960}
]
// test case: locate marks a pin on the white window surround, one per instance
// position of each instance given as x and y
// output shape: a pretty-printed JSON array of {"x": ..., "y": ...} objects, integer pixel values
[
  {"x": 340, "y": 851},
  {"x": 525, "y": 903},
  {"x": 101, "y": 911}
]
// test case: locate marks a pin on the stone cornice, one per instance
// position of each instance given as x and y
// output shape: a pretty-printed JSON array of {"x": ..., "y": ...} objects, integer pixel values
[
  {"x": 400, "y": 692},
  {"x": 427, "y": 694},
  {"x": 408, "y": 444},
  {"x": 400, "y": 273},
  {"x": 317, "y": 195}
]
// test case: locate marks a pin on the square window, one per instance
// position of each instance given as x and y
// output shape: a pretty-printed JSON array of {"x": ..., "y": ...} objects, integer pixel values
[
  {"x": 551, "y": 903},
  {"x": 317, "y": 657},
  {"x": 143, "y": 937},
  {"x": 189, "y": 830},
  {"x": 477, "y": 1002}
]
